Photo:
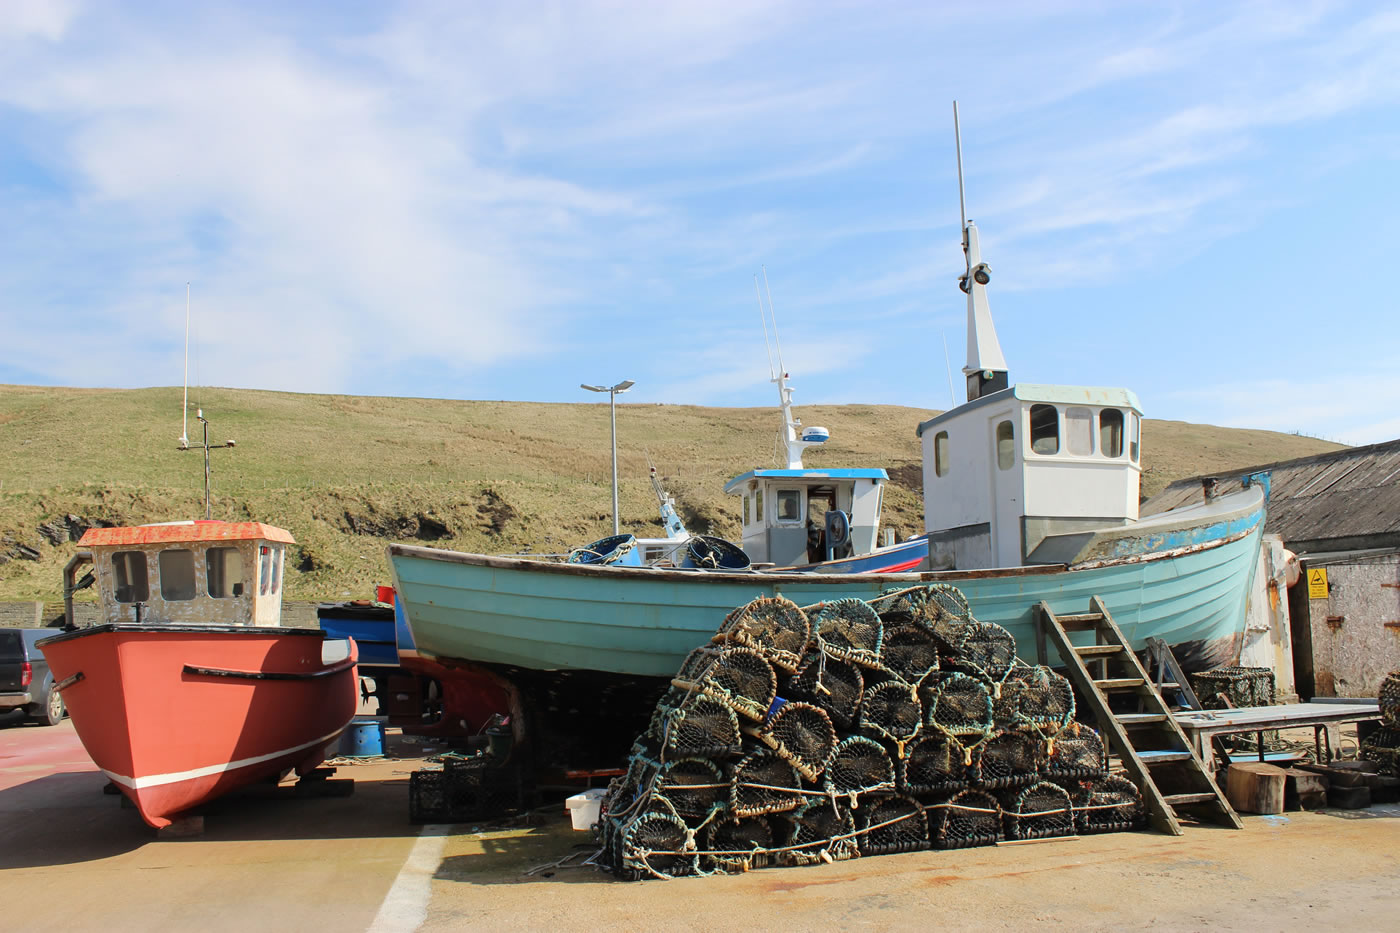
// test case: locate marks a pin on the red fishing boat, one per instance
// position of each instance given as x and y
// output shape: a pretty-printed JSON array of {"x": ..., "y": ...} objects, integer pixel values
[{"x": 191, "y": 688}]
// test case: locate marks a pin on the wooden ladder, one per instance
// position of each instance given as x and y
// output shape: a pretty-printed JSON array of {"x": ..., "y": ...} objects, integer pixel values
[{"x": 1151, "y": 746}]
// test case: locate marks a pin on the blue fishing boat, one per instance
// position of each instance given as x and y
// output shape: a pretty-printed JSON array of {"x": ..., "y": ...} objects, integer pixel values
[{"x": 1031, "y": 495}]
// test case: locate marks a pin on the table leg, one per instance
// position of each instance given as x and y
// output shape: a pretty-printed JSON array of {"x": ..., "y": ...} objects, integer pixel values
[{"x": 1334, "y": 739}]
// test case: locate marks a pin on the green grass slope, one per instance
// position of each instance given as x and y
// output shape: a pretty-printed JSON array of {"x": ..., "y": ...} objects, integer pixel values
[{"x": 348, "y": 474}]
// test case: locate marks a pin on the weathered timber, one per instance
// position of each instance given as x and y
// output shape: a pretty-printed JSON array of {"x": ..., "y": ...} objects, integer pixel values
[{"x": 1255, "y": 787}]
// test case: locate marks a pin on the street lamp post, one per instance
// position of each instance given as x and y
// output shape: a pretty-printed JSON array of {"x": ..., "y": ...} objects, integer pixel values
[{"x": 613, "y": 392}]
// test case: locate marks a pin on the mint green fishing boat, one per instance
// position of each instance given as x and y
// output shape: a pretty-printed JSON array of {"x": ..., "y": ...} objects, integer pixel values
[
  {"x": 1031, "y": 494},
  {"x": 1182, "y": 577}
]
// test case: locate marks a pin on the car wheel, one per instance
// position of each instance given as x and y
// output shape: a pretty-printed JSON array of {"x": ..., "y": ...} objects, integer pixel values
[{"x": 53, "y": 710}]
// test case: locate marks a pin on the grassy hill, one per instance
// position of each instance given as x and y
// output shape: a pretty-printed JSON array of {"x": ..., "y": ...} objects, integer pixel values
[{"x": 348, "y": 474}]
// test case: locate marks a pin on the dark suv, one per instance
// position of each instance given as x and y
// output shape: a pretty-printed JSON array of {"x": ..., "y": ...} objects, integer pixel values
[{"x": 25, "y": 679}]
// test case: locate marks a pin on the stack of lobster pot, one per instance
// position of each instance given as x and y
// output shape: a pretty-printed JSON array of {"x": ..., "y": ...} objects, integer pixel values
[
  {"x": 853, "y": 728},
  {"x": 1383, "y": 745}
]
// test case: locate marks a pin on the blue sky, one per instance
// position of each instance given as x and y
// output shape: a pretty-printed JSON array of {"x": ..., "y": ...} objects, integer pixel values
[{"x": 1197, "y": 201}]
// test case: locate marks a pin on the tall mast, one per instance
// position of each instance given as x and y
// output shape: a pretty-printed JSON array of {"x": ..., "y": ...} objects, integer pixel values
[
  {"x": 986, "y": 367},
  {"x": 185, "y": 404},
  {"x": 793, "y": 443}
]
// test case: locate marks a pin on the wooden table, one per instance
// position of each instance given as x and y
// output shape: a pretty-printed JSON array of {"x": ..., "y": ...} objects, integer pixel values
[{"x": 1325, "y": 719}]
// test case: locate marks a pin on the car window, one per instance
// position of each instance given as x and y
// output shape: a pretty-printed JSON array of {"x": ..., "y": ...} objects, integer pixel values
[{"x": 10, "y": 647}]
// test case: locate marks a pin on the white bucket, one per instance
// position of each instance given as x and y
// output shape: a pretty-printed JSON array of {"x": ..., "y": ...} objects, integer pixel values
[{"x": 583, "y": 808}]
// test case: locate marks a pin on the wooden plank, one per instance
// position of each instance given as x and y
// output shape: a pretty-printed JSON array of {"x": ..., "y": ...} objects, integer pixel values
[
  {"x": 1120, "y": 683},
  {"x": 1162, "y": 757},
  {"x": 1142, "y": 719}
]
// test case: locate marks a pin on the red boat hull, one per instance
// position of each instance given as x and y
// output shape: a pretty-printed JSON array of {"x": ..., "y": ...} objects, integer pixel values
[{"x": 179, "y": 715}]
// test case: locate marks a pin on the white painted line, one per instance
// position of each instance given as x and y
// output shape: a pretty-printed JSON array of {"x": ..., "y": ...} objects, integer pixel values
[{"x": 405, "y": 907}]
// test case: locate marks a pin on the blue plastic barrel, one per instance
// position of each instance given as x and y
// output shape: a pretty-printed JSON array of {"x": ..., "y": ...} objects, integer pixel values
[{"x": 363, "y": 738}]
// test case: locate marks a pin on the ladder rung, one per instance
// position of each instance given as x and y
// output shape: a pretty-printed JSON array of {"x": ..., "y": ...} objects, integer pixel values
[
  {"x": 1120, "y": 683},
  {"x": 1177, "y": 800},
  {"x": 1080, "y": 622},
  {"x": 1140, "y": 719},
  {"x": 1087, "y": 651},
  {"x": 1156, "y": 758}
]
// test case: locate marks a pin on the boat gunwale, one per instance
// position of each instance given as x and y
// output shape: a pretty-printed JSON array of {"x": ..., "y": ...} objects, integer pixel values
[
  {"x": 688, "y": 576},
  {"x": 925, "y": 576},
  {"x": 179, "y": 628}
]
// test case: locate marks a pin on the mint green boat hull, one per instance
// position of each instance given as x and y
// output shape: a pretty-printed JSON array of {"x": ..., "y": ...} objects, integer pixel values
[{"x": 642, "y": 621}]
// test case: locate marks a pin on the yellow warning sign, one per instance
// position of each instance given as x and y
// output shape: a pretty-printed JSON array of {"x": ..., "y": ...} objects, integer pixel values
[{"x": 1317, "y": 583}]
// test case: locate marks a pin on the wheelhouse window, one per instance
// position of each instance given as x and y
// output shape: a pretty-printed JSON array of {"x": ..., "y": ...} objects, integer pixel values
[
  {"x": 1045, "y": 430},
  {"x": 265, "y": 561},
  {"x": 1133, "y": 443},
  {"x": 277, "y": 555},
  {"x": 746, "y": 510},
  {"x": 758, "y": 505},
  {"x": 940, "y": 454},
  {"x": 129, "y": 577},
  {"x": 224, "y": 567},
  {"x": 176, "y": 574},
  {"x": 1079, "y": 431},
  {"x": 789, "y": 505},
  {"x": 1111, "y": 432},
  {"x": 1006, "y": 445}
]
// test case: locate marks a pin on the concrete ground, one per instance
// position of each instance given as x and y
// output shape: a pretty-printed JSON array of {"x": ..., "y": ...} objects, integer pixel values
[{"x": 73, "y": 859}]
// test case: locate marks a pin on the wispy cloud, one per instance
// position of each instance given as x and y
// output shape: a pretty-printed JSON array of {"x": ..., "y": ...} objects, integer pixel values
[
  {"x": 441, "y": 198},
  {"x": 1304, "y": 406}
]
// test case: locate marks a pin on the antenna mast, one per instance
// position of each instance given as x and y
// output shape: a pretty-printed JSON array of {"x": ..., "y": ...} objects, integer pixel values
[
  {"x": 185, "y": 404},
  {"x": 763, "y": 318},
  {"x": 957, "y": 141},
  {"x": 986, "y": 367},
  {"x": 206, "y": 447},
  {"x": 791, "y": 433}
]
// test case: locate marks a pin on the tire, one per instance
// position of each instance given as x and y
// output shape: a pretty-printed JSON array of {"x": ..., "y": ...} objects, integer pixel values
[{"x": 51, "y": 712}]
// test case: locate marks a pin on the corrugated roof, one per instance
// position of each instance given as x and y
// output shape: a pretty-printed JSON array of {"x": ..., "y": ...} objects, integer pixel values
[
  {"x": 184, "y": 531},
  {"x": 1343, "y": 495}
]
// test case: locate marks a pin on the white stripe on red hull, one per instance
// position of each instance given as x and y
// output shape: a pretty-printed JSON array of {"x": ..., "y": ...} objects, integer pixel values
[{"x": 162, "y": 797}]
